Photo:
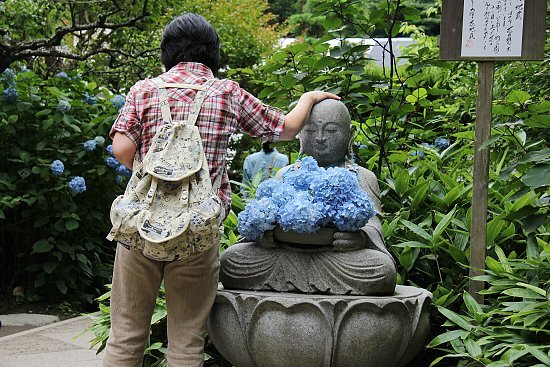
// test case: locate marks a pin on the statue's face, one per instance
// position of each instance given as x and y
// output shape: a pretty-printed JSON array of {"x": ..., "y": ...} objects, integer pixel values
[{"x": 327, "y": 134}]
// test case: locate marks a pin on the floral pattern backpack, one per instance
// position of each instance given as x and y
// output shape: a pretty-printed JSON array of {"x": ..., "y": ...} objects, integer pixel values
[{"x": 170, "y": 207}]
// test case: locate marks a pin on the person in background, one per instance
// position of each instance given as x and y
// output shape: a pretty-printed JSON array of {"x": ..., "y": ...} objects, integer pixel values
[{"x": 267, "y": 161}]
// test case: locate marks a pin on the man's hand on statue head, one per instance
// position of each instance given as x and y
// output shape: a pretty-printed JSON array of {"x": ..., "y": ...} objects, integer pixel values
[{"x": 349, "y": 241}]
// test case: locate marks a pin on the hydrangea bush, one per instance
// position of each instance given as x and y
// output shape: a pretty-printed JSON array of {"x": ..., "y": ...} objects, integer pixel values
[
  {"x": 308, "y": 198},
  {"x": 57, "y": 181}
]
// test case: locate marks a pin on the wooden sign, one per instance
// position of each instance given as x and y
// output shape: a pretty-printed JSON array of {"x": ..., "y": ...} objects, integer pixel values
[
  {"x": 492, "y": 30},
  {"x": 487, "y": 31}
]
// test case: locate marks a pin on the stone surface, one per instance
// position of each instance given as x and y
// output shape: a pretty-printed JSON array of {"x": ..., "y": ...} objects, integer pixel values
[
  {"x": 23, "y": 319},
  {"x": 363, "y": 272},
  {"x": 62, "y": 344},
  {"x": 269, "y": 329}
]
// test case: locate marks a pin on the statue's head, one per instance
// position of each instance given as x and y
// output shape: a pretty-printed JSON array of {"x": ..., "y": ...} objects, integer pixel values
[{"x": 328, "y": 133}]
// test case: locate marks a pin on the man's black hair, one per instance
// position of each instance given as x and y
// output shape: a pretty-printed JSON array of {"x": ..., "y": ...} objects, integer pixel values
[
  {"x": 190, "y": 38},
  {"x": 266, "y": 147}
]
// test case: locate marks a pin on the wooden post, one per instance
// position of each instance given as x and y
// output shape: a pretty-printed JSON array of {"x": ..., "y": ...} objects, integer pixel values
[{"x": 478, "y": 237}]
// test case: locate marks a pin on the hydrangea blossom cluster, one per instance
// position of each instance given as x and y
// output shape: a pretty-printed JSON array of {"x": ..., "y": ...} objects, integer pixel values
[
  {"x": 109, "y": 149},
  {"x": 9, "y": 76},
  {"x": 10, "y": 95},
  {"x": 63, "y": 106},
  {"x": 308, "y": 198},
  {"x": 118, "y": 101},
  {"x": 123, "y": 170},
  {"x": 442, "y": 143},
  {"x": 89, "y": 99},
  {"x": 62, "y": 74},
  {"x": 90, "y": 145},
  {"x": 57, "y": 167},
  {"x": 100, "y": 140},
  {"x": 77, "y": 185}
]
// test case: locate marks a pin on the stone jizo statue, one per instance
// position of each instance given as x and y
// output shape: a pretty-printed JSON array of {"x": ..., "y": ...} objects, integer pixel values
[{"x": 356, "y": 263}]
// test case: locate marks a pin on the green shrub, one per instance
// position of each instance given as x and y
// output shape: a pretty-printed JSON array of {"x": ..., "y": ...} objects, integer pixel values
[{"x": 53, "y": 231}]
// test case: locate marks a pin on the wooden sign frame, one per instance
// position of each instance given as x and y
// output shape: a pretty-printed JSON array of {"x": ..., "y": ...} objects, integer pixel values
[{"x": 534, "y": 26}]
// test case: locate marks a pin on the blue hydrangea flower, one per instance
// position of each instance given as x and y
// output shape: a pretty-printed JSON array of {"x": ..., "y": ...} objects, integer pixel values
[
  {"x": 302, "y": 174},
  {"x": 57, "y": 167},
  {"x": 109, "y": 150},
  {"x": 25, "y": 70},
  {"x": 442, "y": 143},
  {"x": 334, "y": 188},
  {"x": 112, "y": 162},
  {"x": 300, "y": 214},
  {"x": 279, "y": 192},
  {"x": 63, "y": 106},
  {"x": 258, "y": 216},
  {"x": 100, "y": 140},
  {"x": 88, "y": 99},
  {"x": 8, "y": 74},
  {"x": 118, "y": 101},
  {"x": 355, "y": 213},
  {"x": 10, "y": 95},
  {"x": 119, "y": 179},
  {"x": 123, "y": 170},
  {"x": 62, "y": 74},
  {"x": 90, "y": 145},
  {"x": 77, "y": 185}
]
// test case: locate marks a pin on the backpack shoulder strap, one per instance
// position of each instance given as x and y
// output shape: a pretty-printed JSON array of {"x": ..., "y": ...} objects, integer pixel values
[{"x": 195, "y": 106}]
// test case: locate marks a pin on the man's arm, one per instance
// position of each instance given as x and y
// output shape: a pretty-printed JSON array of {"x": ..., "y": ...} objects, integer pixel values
[
  {"x": 124, "y": 149},
  {"x": 296, "y": 119}
]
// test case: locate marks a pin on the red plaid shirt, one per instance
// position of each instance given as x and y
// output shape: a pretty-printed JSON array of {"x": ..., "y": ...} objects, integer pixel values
[{"x": 226, "y": 108}]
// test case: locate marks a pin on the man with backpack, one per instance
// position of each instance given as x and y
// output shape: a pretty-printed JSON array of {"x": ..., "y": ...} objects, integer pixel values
[{"x": 190, "y": 52}]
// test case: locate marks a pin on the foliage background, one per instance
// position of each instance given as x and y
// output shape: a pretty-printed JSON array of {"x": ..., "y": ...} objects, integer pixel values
[{"x": 399, "y": 111}]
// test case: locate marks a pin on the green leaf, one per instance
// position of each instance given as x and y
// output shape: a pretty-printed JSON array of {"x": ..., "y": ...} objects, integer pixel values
[
  {"x": 472, "y": 347},
  {"x": 402, "y": 182},
  {"x": 442, "y": 225},
  {"x": 523, "y": 293},
  {"x": 538, "y": 290},
  {"x": 71, "y": 224},
  {"x": 42, "y": 246},
  {"x": 416, "y": 229},
  {"x": 60, "y": 284},
  {"x": 537, "y": 176},
  {"x": 412, "y": 244},
  {"x": 324, "y": 62},
  {"x": 541, "y": 356},
  {"x": 456, "y": 318},
  {"x": 447, "y": 337},
  {"x": 518, "y": 96},
  {"x": 471, "y": 304},
  {"x": 49, "y": 267}
]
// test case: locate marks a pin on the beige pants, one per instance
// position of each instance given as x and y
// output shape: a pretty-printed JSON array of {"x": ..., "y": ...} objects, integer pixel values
[{"x": 190, "y": 286}]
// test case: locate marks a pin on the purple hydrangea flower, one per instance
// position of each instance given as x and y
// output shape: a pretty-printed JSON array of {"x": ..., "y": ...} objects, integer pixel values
[
  {"x": 118, "y": 101},
  {"x": 90, "y": 145},
  {"x": 442, "y": 143},
  {"x": 57, "y": 167},
  {"x": 63, "y": 106},
  {"x": 10, "y": 95},
  {"x": 112, "y": 162},
  {"x": 77, "y": 185},
  {"x": 123, "y": 170}
]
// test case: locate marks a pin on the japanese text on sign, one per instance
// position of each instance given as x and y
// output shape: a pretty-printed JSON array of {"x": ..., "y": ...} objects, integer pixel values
[{"x": 492, "y": 28}]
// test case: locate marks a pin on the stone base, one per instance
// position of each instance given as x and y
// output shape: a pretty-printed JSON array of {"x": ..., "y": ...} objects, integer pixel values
[{"x": 268, "y": 329}]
